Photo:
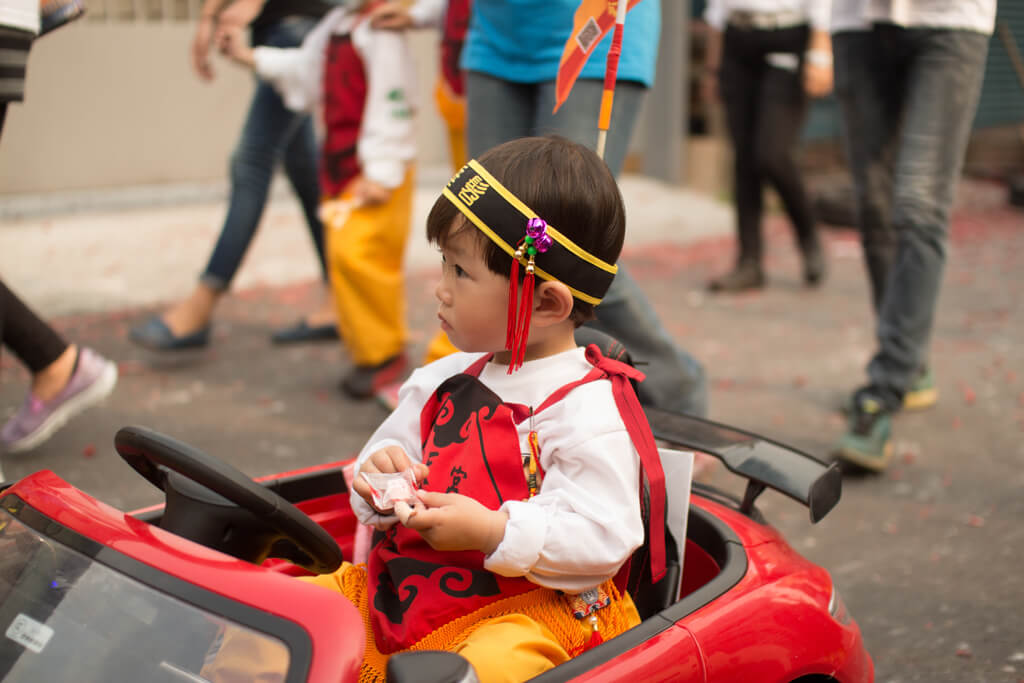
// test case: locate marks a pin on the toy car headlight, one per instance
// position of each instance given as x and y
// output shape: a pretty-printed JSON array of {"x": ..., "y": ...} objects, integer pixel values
[{"x": 837, "y": 608}]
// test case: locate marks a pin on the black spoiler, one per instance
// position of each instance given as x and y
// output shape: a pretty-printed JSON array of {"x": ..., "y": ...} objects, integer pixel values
[{"x": 763, "y": 462}]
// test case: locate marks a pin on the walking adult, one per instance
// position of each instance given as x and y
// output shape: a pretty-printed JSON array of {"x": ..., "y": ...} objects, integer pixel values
[
  {"x": 511, "y": 59},
  {"x": 767, "y": 58},
  {"x": 65, "y": 378},
  {"x": 908, "y": 79},
  {"x": 272, "y": 135}
]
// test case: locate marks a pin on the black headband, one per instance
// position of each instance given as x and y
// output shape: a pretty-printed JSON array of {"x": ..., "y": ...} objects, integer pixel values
[{"x": 503, "y": 217}]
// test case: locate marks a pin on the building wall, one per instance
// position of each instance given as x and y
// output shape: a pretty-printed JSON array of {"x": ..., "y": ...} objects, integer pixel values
[{"x": 116, "y": 103}]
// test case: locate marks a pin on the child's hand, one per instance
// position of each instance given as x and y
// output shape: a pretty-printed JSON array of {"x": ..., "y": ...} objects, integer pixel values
[
  {"x": 388, "y": 460},
  {"x": 233, "y": 44},
  {"x": 369, "y": 193},
  {"x": 452, "y": 521},
  {"x": 390, "y": 15}
]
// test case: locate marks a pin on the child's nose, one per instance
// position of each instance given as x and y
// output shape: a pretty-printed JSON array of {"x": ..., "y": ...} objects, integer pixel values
[{"x": 441, "y": 293}]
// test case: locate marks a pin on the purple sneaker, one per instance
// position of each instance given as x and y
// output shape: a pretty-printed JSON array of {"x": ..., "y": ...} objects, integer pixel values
[{"x": 37, "y": 420}]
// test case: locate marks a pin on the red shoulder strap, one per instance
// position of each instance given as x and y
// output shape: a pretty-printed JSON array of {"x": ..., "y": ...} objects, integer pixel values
[{"x": 643, "y": 439}]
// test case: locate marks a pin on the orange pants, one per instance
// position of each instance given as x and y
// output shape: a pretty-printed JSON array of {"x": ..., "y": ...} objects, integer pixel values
[
  {"x": 506, "y": 641},
  {"x": 453, "y": 110},
  {"x": 365, "y": 250}
]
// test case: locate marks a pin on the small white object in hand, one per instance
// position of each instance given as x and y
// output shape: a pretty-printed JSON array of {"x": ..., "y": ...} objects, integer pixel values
[{"x": 390, "y": 488}]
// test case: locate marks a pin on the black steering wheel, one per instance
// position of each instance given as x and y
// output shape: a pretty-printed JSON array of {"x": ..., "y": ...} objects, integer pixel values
[{"x": 209, "y": 501}]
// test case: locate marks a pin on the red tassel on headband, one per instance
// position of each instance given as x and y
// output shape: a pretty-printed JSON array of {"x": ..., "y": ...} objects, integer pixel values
[{"x": 536, "y": 241}]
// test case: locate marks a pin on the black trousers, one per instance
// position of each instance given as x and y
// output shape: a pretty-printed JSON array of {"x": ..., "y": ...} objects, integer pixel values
[
  {"x": 761, "y": 83},
  {"x": 24, "y": 333}
]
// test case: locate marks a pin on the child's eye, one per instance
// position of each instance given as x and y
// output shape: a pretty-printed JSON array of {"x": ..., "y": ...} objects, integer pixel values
[{"x": 459, "y": 272}]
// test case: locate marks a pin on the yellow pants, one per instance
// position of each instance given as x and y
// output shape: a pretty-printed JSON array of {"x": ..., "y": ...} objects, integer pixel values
[
  {"x": 503, "y": 642},
  {"x": 453, "y": 110},
  {"x": 365, "y": 250}
]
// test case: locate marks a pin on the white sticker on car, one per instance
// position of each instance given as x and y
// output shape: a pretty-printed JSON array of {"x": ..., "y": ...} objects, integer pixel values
[{"x": 29, "y": 633}]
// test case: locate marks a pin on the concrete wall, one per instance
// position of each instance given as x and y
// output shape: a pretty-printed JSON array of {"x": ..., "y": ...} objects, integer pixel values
[{"x": 113, "y": 105}]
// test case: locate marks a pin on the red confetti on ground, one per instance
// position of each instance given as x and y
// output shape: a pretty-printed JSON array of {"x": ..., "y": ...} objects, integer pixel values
[
  {"x": 800, "y": 381},
  {"x": 89, "y": 451},
  {"x": 727, "y": 383},
  {"x": 975, "y": 521},
  {"x": 968, "y": 394},
  {"x": 1020, "y": 399},
  {"x": 322, "y": 396},
  {"x": 1011, "y": 377},
  {"x": 963, "y": 650},
  {"x": 131, "y": 367},
  {"x": 957, "y": 422},
  {"x": 947, "y": 479}
]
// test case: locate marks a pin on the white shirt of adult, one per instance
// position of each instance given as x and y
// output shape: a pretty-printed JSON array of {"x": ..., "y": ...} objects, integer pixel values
[
  {"x": 964, "y": 15},
  {"x": 20, "y": 14},
  {"x": 387, "y": 138},
  {"x": 585, "y": 521},
  {"x": 818, "y": 12}
]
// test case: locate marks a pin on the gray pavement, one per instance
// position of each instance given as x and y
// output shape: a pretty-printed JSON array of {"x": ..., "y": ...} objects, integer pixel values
[{"x": 926, "y": 556}]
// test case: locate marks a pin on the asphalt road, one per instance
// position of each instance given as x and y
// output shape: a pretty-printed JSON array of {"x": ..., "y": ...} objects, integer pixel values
[{"x": 927, "y": 556}]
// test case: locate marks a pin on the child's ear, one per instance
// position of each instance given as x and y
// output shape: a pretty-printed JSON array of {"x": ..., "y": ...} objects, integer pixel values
[{"x": 552, "y": 303}]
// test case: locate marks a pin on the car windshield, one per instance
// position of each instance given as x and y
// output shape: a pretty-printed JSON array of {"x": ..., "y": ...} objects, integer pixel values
[{"x": 66, "y": 617}]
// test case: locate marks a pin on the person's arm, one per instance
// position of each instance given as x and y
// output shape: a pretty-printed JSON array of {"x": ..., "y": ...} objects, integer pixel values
[
  {"x": 585, "y": 522},
  {"x": 818, "y": 57},
  {"x": 401, "y": 429},
  {"x": 387, "y": 140},
  {"x": 203, "y": 38},
  {"x": 294, "y": 72},
  {"x": 396, "y": 16}
]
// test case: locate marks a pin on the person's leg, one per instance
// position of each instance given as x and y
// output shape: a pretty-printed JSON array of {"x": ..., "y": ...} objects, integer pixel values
[
  {"x": 943, "y": 86},
  {"x": 740, "y": 84},
  {"x": 511, "y": 648},
  {"x": 496, "y": 111},
  {"x": 939, "y": 98},
  {"x": 675, "y": 379},
  {"x": 781, "y": 110},
  {"x": 365, "y": 254},
  {"x": 868, "y": 87},
  {"x": 35, "y": 343},
  {"x": 267, "y": 133},
  {"x": 65, "y": 379}
]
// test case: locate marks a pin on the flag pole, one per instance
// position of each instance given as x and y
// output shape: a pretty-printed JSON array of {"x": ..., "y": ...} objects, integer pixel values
[{"x": 610, "y": 73}]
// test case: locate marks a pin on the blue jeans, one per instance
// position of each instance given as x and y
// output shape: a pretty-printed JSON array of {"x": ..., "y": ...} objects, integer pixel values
[
  {"x": 908, "y": 98},
  {"x": 498, "y": 111},
  {"x": 272, "y": 134}
]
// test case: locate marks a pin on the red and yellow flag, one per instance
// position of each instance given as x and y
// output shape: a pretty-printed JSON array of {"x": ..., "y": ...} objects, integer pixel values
[{"x": 593, "y": 20}]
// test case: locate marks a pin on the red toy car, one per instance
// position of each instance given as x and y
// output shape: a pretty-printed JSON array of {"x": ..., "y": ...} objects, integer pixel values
[{"x": 89, "y": 593}]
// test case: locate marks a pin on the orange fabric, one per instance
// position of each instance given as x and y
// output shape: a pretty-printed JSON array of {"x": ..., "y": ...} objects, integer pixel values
[
  {"x": 548, "y": 608},
  {"x": 365, "y": 248},
  {"x": 439, "y": 347}
]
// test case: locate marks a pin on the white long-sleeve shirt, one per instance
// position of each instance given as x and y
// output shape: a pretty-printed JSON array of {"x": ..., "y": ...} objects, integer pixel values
[
  {"x": 387, "y": 136},
  {"x": 585, "y": 521},
  {"x": 965, "y": 15},
  {"x": 818, "y": 12}
]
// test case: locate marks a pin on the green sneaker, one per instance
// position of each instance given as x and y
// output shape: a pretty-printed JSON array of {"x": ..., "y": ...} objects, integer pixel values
[
  {"x": 922, "y": 393},
  {"x": 868, "y": 442}
]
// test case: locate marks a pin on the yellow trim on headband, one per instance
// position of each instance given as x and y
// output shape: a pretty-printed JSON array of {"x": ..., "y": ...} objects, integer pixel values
[
  {"x": 525, "y": 210},
  {"x": 493, "y": 236}
]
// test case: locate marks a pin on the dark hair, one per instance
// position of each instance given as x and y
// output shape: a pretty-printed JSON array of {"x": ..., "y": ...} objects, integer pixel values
[{"x": 568, "y": 186}]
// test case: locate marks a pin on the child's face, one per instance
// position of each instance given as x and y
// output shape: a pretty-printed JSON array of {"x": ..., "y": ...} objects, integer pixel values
[{"x": 473, "y": 300}]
